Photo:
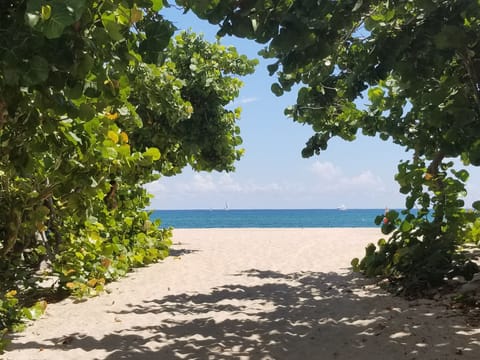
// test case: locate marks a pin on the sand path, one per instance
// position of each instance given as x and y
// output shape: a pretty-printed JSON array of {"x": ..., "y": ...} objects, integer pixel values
[{"x": 250, "y": 294}]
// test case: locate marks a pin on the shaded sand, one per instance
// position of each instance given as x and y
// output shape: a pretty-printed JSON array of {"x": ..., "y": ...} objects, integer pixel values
[{"x": 250, "y": 294}]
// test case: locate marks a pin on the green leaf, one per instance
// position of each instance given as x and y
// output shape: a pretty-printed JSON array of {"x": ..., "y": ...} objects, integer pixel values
[
  {"x": 277, "y": 89},
  {"x": 152, "y": 152},
  {"x": 158, "y": 36},
  {"x": 34, "y": 312},
  {"x": 76, "y": 7},
  {"x": 86, "y": 111},
  {"x": 406, "y": 226},
  {"x": 355, "y": 262},
  {"x": 73, "y": 138},
  {"x": 379, "y": 219},
  {"x": 33, "y": 12},
  {"x": 41, "y": 250},
  {"x": 384, "y": 16},
  {"x": 474, "y": 153},
  {"x": 462, "y": 175},
  {"x": 476, "y": 205},
  {"x": 370, "y": 249},
  {"x": 41, "y": 212},
  {"x": 32, "y": 19},
  {"x": 272, "y": 68},
  {"x": 358, "y": 5},
  {"x": 109, "y": 152},
  {"x": 113, "y": 28},
  {"x": 124, "y": 150},
  {"x": 11, "y": 76},
  {"x": 157, "y": 5},
  {"x": 450, "y": 37},
  {"x": 375, "y": 95},
  {"x": 392, "y": 215},
  {"x": 83, "y": 66},
  {"x": 387, "y": 228},
  {"x": 61, "y": 17},
  {"x": 37, "y": 71}
]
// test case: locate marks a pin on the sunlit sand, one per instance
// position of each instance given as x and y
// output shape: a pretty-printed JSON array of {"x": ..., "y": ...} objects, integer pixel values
[{"x": 251, "y": 294}]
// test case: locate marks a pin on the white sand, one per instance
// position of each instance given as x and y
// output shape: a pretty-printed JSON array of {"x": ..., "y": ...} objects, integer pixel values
[{"x": 250, "y": 294}]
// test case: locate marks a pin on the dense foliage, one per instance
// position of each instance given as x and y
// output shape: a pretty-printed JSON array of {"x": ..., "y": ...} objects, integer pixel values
[
  {"x": 416, "y": 62},
  {"x": 98, "y": 98}
]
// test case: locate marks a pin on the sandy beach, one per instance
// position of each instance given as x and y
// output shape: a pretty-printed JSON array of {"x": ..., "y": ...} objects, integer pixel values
[{"x": 251, "y": 294}]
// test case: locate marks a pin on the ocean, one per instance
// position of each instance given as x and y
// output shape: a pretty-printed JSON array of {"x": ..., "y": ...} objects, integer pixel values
[{"x": 296, "y": 218}]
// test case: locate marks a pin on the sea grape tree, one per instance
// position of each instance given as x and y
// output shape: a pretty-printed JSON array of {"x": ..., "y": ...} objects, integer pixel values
[
  {"x": 97, "y": 98},
  {"x": 404, "y": 70}
]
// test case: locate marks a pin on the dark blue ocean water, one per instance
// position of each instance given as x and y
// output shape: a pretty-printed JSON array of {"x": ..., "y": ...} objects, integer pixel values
[{"x": 185, "y": 219}]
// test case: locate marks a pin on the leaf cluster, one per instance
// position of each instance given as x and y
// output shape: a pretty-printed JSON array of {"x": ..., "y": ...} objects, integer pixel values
[
  {"x": 402, "y": 70},
  {"x": 97, "y": 98}
]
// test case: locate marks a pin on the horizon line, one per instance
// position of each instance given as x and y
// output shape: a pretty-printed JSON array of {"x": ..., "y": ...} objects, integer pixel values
[{"x": 229, "y": 209}]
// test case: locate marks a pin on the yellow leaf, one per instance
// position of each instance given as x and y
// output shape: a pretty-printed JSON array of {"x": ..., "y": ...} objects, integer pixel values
[
  {"x": 428, "y": 176},
  {"x": 40, "y": 226},
  {"x": 124, "y": 137},
  {"x": 92, "y": 282},
  {"x": 42, "y": 304},
  {"x": 135, "y": 15},
  {"x": 106, "y": 262},
  {"x": 112, "y": 135},
  {"x": 46, "y": 12},
  {"x": 94, "y": 236},
  {"x": 71, "y": 285},
  {"x": 113, "y": 116},
  {"x": 11, "y": 293},
  {"x": 68, "y": 272}
]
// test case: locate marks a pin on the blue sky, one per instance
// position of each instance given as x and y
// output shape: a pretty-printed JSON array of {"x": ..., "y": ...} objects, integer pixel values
[{"x": 272, "y": 174}]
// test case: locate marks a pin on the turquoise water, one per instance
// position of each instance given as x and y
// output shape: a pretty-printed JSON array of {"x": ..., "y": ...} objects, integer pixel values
[{"x": 185, "y": 219}]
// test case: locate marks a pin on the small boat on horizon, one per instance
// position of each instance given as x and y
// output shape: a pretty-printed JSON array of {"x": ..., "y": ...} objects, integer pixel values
[{"x": 342, "y": 208}]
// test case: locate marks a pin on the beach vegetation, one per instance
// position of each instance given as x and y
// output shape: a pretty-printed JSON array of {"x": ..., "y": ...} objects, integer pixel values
[
  {"x": 405, "y": 71},
  {"x": 98, "y": 98}
]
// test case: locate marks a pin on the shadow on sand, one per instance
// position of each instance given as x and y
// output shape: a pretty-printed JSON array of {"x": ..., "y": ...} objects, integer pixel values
[{"x": 302, "y": 315}]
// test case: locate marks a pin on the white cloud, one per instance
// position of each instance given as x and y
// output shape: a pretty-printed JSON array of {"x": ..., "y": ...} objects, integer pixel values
[
  {"x": 203, "y": 183},
  {"x": 365, "y": 179},
  {"x": 332, "y": 178},
  {"x": 252, "y": 188},
  {"x": 325, "y": 170},
  {"x": 243, "y": 101},
  {"x": 226, "y": 183},
  {"x": 328, "y": 179},
  {"x": 155, "y": 187},
  {"x": 247, "y": 100},
  {"x": 322, "y": 184}
]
